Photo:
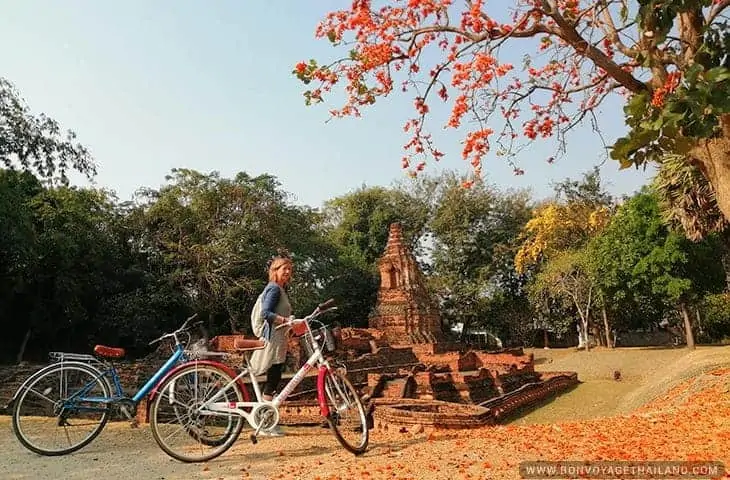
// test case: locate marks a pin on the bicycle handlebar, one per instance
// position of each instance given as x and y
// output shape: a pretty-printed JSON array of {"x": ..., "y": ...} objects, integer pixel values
[
  {"x": 321, "y": 308},
  {"x": 174, "y": 334}
]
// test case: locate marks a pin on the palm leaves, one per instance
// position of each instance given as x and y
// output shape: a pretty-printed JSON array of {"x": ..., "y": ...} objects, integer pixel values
[{"x": 687, "y": 199}]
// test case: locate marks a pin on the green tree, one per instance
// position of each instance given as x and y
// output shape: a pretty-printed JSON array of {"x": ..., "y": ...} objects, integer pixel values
[
  {"x": 557, "y": 230},
  {"x": 64, "y": 260},
  {"x": 473, "y": 234},
  {"x": 567, "y": 280},
  {"x": 638, "y": 253},
  {"x": 214, "y": 237},
  {"x": 36, "y": 143},
  {"x": 358, "y": 222},
  {"x": 689, "y": 205}
]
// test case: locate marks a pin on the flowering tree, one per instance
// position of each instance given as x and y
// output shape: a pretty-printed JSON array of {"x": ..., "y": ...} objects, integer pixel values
[
  {"x": 668, "y": 59},
  {"x": 555, "y": 228}
]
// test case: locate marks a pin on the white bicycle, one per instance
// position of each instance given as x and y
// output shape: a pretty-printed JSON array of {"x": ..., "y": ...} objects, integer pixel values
[{"x": 198, "y": 413}]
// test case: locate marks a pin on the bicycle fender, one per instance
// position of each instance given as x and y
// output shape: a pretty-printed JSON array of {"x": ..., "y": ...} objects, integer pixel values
[
  {"x": 324, "y": 409},
  {"x": 211, "y": 363},
  {"x": 42, "y": 371}
]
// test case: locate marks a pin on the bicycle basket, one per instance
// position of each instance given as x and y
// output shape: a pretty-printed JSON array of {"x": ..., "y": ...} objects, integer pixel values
[{"x": 323, "y": 337}]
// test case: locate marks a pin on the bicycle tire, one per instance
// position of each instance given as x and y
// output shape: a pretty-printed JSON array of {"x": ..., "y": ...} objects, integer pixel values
[
  {"x": 96, "y": 375},
  {"x": 361, "y": 447},
  {"x": 223, "y": 443}
]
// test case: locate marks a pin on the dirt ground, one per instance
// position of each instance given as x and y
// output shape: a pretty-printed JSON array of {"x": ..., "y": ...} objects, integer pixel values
[
  {"x": 125, "y": 453},
  {"x": 310, "y": 453}
]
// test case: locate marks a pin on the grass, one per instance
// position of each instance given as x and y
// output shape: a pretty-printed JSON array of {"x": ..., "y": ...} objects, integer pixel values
[{"x": 646, "y": 374}]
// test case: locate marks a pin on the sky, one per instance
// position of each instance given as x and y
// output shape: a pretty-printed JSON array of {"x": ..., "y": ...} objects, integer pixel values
[{"x": 207, "y": 85}]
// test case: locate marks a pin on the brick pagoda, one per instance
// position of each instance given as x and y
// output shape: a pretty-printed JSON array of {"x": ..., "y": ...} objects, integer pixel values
[{"x": 404, "y": 312}]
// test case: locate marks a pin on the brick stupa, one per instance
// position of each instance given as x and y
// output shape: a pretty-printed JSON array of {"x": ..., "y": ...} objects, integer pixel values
[{"x": 404, "y": 312}]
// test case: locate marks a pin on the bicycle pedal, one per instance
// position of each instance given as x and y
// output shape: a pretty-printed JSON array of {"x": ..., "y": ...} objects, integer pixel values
[
  {"x": 134, "y": 423},
  {"x": 125, "y": 411},
  {"x": 253, "y": 439}
]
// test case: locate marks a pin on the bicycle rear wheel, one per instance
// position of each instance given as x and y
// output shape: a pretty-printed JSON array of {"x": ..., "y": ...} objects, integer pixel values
[
  {"x": 180, "y": 429},
  {"x": 62, "y": 410},
  {"x": 347, "y": 417}
]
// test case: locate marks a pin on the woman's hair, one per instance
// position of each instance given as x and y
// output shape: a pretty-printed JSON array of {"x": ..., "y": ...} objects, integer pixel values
[{"x": 276, "y": 263}]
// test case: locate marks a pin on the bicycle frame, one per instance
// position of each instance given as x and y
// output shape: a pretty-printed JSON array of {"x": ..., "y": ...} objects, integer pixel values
[
  {"x": 177, "y": 355},
  {"x": 214, "y": 407}
]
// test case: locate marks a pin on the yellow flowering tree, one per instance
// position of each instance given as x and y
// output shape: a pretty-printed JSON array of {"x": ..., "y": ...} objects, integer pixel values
[{"x": 555, "y": 228}]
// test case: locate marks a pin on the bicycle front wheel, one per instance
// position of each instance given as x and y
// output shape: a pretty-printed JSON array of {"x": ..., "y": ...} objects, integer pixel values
[
  {"x": 62, "y": 410},
  {"x": 184, "y": 432},
  {"x": 347, "y": 417}
]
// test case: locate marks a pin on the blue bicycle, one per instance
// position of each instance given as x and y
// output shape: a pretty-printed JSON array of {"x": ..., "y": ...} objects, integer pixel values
[{"x": 77, "y": 392}]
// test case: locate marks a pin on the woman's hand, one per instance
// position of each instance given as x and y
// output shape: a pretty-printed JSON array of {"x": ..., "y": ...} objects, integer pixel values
[{"x": 279, "y": 320}]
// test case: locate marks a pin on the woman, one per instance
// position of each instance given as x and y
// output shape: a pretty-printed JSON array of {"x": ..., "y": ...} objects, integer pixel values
[{"x": 272, "y": 308}]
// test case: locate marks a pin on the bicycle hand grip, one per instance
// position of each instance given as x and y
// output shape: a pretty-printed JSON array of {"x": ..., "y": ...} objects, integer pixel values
[{"x": 327, "y": 304}]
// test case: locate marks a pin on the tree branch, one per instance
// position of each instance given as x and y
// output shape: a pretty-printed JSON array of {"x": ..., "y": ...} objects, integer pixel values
[
  {"x": 612, "y": 32},
  {"x": 691, "y": 26},
  {"x": 489, "y": 35},
  {"x": 569, "y": 34},
  {"x": 716, "y": 11}
]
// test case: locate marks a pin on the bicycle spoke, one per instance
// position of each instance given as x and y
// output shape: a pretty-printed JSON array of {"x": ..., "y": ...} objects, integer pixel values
[{"x": 41, "y": 395}]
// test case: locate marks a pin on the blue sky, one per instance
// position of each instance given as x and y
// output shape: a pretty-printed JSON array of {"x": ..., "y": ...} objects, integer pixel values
[{"x": 149, "y": 86}]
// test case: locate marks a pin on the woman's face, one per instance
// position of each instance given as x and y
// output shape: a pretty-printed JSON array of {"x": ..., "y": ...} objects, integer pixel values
[{"x": 284, "y": 273}]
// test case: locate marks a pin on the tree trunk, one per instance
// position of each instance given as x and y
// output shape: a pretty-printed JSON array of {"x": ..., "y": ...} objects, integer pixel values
[
  {"x": 699, "y": 320},
  {"x": 596, "y": 331},
  {"x": 580, "y": 334},
  {"x": 713, "y": 158},
  {"x": 233, "y": 322},
  {"x": 606, "y": 327},
  {"x": 23, "y": 345},
  {"x": 725, "y": 256},
  {"x": 583, "y": 332},
  {"x": 466, "y": 325},
  {"x": 687, "y": 326},
  {"x": 546, "y": 346}
]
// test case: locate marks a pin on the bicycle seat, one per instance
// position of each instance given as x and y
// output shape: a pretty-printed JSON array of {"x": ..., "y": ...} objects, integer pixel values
[
  {"x": 248, "y": 344},
  {"x": 109, "y": 352}
]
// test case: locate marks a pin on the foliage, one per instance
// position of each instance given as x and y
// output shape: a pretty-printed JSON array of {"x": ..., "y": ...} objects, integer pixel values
[
  {"x": 64, "y": 260},
  {"x": 715, "y": 322},
  {"x": 555, "y": 228},
  {"x": 687, "y": 199},
  {"x": 215, "y": 237},
  {"x": 36, "y": 143},
  {"x": 567, "y": 280},
  {"x": 358, "y": 221},
  {"x": 357, "y": 224},
  {"x": 638, "y": 259},
  {"x": 581, "y": 209},
  {"x": 473, "y": 234},
  {"x": 588, "y": 190},
  {"x": 676, "y": 85}
]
